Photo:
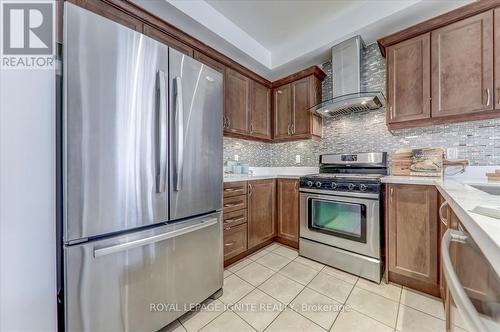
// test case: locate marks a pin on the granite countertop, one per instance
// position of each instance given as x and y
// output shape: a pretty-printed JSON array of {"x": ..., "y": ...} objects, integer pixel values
[
  {"x": 462, "y": 198},
  {"x": 247, "y": 177}
]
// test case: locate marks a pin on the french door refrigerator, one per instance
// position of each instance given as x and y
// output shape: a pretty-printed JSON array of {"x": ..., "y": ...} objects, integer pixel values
[{"x": 142, "y": 178}]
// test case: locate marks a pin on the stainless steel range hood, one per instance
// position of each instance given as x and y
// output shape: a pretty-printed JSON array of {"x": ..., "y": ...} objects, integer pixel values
[{"x": 349, "y": 94}]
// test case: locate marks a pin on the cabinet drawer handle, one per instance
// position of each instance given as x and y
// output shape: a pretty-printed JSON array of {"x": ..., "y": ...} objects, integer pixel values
[
  {"x": 233, "y": 220},
  {"x": 441, "y": 217},
  {"x": 249, "y": 189},
  {"x": 498, "y": 95},
  {"x": 232, "y": 204},
  {"x": 232, "y": 189},
  {"x": 488, "y": 97},
  {"x": 228, "y": 244}
]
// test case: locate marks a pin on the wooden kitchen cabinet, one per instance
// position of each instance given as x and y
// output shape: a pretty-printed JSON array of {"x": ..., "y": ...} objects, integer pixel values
[
  {"x": 292, "y": 119},
  {"x": 408, "y": 80},
  {"x": 235, "y": 241},
  {"x": 261, "y": 211},
  {"x": 288, "y": 211},
  {"x": 260, "y": 111},
  {"x": 413, "y": 235},
  {"x": 462, "y": 67},
  {"x": 282, "y": 111},
  {"x": 236, "y": 98},
  {"x": 496, "y": 52}
]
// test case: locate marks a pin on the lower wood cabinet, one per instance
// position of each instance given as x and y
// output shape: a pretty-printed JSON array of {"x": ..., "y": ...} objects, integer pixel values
[
  {"x": 235, "y": 240},
  {"x": 413, "y": 235},
  {"x": 261, "y": 211},
  {"x": 288, "y": 211}
]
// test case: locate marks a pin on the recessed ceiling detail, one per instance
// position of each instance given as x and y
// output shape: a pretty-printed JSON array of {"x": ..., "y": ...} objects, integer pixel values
[{"x": 277, "y": 37}]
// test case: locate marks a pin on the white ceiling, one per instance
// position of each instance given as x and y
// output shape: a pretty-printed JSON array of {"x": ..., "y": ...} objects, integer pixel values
[
  {"x": 275, "y": 38},
  {"x": 273, "y": 22}
]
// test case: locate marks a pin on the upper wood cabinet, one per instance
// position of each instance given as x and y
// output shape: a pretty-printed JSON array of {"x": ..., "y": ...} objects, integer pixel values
[
  {"x": 167, "y": 39},
  {"x": 408, "y": 80},
  {"x": 412, "y": 244},
  {"x": 260, "y": 111},
  {"x": 282, "y": 111},
  {"x": 236, "y": 97},
  {"x": 292, "y": 119},
  {"x": 288, "y": 211},
  {"x": 261, "y": 211},
  {"x": 496, "y": 52},
  {"x": 452, "y": 61},
  {"x": 462, "y": 67}
]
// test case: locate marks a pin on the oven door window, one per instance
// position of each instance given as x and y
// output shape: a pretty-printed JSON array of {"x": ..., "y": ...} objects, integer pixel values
[{"x": 341, "y": 219}]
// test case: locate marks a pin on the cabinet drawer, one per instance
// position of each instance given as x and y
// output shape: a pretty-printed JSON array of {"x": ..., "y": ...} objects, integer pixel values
[
  {"x": 235, "y": 241},
  {"x": 235, "y": 203},
  {"x": 235, "y": 188},
  {"x": 235, "y": 218}
]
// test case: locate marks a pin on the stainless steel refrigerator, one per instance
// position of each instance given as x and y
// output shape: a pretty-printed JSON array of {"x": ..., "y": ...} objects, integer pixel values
[{"x": 142, "y": 178}]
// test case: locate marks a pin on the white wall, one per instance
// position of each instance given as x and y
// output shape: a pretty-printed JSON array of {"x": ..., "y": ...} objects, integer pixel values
[{"x": 27, "y": 201}]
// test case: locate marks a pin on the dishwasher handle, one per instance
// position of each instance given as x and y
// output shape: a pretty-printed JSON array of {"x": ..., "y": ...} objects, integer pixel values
[
  {"x": 457, "y": 291},
  {"x": 153, "y": 239}
]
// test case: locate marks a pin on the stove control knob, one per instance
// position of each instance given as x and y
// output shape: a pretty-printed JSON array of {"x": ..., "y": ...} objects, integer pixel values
[
  {"x": 351, "y": 186},
  {"x": 318, "y": 184},
  {"x": 333, "y": 185},
  {"x": 309, "y": 183},
  {"x": 362, "y": 187}
]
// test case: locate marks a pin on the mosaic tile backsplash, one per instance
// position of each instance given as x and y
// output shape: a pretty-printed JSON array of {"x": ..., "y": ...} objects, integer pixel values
[{"x": 478, "y": 141}]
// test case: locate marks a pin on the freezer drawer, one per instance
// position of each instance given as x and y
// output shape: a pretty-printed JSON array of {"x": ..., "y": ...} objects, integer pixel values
[{"x": 116, "y": 284}]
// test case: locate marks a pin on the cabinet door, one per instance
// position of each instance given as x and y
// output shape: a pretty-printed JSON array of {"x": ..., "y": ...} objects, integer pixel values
[
  {"x": 261, "y": 207},
  {"x": 301, "y": 124},
  {"x": 462, "y": 66},
  {"x": 497, "y": 58},
  {"x": 282, "y": 111},
  {"x": 235, "y": 241},
  {"x": 236, "y": 94},
  {"x": 260, "y": 111},
  {"x": 288, "y": 209},
  {"x": 167, "y": 40},
  {"x": 413, "y": 237},
  {"x": 408, "y": 80}
]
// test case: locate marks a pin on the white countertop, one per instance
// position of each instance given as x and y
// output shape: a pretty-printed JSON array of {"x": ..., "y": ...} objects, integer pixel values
[
  {"x": 462, "y": 198},
  {"x": 429, "y": 181},
  {"x": 262, "y": 173}
]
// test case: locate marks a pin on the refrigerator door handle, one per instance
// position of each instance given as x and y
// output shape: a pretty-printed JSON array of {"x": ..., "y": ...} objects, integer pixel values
[
  {"x": 179, "y": 127},
  {"x": 153, "y": 239},
  {"x": 161, "y": 144}
]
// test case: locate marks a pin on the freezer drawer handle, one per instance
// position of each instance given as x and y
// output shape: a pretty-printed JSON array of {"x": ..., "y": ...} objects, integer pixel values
[
  {"x": 161, "y": 139},
  {"x": 157, "y": 238},
  {"x": 179, "y": 124},
  {"x": 457, "y": 291}
]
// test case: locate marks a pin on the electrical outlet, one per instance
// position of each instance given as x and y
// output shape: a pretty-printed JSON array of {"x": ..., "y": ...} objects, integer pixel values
[
  {"x": 236, "y": 157},
  {"x": 297, "y": 159},
  {"x": 452, "y": 153}
]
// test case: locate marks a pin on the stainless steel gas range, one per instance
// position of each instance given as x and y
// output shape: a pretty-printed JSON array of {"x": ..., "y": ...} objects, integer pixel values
[{"x": 341, "y": 213}]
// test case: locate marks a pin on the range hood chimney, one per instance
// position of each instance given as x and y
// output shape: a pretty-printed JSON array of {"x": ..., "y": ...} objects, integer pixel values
[{"x": 349, "y": 94}]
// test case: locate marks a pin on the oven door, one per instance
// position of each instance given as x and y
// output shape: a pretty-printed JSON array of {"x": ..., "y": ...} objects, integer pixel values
[{"x": 346, "y": 222}]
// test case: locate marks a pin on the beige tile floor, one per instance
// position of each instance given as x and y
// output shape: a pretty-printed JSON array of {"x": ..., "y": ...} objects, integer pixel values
[{"x": 277, "y": 290}]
